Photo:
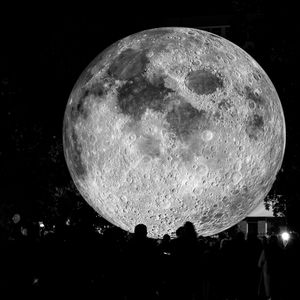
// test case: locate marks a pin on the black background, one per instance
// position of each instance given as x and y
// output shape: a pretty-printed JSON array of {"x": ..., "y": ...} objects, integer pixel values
[{"x": 44, "y": 52}]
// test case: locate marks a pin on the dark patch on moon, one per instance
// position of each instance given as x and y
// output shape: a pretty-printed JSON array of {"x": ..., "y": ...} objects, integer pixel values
[
  {"x": 80, "y": 110},
  {"x": 128, "y": 64},
  {"x": 206, "y": 218},
  {"x": 77, "y": 110},
  {"x": 150, "y": 146},
  {"x": 254, "y": 126},
  {"x": 218, "y": 215},
  {"x": 96, "y": 90},
  {"x": 184, "y": 119},
  {"x": 203, "y": 82},
  {"x": 138, "y": 94},
  {"x": 234, "y": 205}
]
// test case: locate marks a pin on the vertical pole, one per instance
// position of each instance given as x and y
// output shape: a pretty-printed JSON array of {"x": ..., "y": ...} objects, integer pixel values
[{"x": 266, "y": 227}]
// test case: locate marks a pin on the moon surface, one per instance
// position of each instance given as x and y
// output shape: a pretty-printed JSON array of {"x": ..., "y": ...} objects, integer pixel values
[{"x": 170, "y": 125}]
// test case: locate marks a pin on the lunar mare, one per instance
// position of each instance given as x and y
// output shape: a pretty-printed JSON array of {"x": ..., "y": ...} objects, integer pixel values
[{"x": 171, "y": 125}]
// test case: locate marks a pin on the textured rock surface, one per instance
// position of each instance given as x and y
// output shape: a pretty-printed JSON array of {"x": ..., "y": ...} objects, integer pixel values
[{"x": 172, "y": 125}]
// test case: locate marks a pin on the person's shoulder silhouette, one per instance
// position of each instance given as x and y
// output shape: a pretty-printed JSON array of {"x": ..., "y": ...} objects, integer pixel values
[{"x": 189, "y": 230}]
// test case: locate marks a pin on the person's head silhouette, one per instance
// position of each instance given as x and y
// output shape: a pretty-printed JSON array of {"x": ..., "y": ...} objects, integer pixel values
[
  {"x": 140, "y": 231},
  {"x": 166, "y": 238},
  {"x": 189, "y": 230}
]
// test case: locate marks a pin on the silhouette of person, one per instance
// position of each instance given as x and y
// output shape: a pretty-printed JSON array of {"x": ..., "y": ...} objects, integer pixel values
[
  {"x": 186, "y": 258},
  {"x": 209, "y": 272},
  {"x": 141, "y": 257},
  {"x": 239, "y": 265}
]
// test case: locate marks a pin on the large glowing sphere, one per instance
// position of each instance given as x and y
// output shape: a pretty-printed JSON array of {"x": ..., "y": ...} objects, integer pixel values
[{"x": 172, "y": 125}]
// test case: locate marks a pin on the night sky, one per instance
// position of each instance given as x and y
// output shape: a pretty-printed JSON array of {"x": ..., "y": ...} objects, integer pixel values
[{"x": 44, "y": 54}]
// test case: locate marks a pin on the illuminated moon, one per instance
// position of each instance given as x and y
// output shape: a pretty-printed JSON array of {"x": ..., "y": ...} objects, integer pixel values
[{"x": 172, "y": 125}]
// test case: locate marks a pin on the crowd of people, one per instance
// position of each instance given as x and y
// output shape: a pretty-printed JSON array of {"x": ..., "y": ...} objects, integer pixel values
[{"x": 116, "y": 265}]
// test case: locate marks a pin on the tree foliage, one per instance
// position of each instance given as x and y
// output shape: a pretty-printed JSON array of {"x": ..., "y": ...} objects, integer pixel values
[{"x": 277, "y": 203}]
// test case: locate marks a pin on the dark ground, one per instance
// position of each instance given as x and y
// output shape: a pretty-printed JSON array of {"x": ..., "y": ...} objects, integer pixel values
[{"x": 115, "y": 265}]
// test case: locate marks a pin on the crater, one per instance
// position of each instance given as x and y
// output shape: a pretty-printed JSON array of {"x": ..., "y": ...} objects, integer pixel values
[
  {"x": 201, "y": 169},
  {"x": 236, "y": 177},
  {"x": 257, "y": 75},
  {"x": 255, "y": 97},
  {"x": 224, "y": 105},
  {"x": 251, "y": 104},
  {"x": 203, "y": 82},
  {"x": 207, "y": 135}
]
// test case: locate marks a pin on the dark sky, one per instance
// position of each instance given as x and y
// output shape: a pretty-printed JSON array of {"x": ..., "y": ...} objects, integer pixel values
[{"x": 44, "y": 53}]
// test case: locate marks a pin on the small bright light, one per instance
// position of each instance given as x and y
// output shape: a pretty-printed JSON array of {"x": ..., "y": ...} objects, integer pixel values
[
  {"x": 285, "y": 236},
  {"x": 42, "y": 225}
]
